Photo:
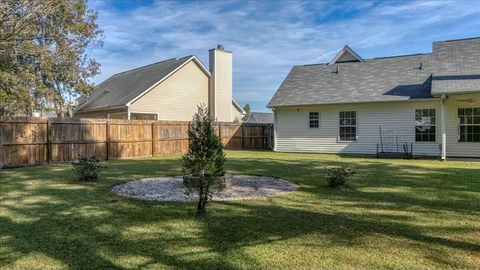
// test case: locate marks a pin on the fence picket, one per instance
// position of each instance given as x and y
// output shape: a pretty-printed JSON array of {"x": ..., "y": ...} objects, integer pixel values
[{"x": 31, "y": 141}]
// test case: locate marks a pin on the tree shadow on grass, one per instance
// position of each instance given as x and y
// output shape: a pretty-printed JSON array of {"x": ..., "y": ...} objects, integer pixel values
[
  {"x": 262, "y": 224},
  {"x": 85, "y": 226},
  {"x": 449, "y": 188}
]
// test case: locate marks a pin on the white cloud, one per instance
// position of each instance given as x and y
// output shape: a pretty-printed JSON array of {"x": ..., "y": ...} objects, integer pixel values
[{"x": 268, "y": 38}]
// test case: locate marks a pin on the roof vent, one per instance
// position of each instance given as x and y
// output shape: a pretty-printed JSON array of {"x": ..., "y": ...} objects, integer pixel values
[
  {"x": 337, "y": 70},
  {"x": 421, "y": 66},
  {"x": 220, "y": 47},
  {"x": 106, "y": 91}
]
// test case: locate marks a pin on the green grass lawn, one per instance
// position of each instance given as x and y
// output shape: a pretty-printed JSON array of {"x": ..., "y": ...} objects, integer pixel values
[{"x": 406, "y": 214}]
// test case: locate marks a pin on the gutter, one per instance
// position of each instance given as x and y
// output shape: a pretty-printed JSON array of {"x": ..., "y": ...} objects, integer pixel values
[
  {"x": 101, "y": 109},
  {"x": 355, "y": 102}
]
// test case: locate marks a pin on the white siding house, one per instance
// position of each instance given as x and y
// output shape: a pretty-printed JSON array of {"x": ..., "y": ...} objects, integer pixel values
[
  {"x": 167, "y": 90},
  {"x": 358, "y": 106}
]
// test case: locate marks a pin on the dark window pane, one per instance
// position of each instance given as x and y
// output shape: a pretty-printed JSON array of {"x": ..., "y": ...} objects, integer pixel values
[
  {"x": 469, "y": 119},
  {"x": 347, "y": 129},
  {"x": 314, "y": 119},
  {"x": 461, "y": 111},
  {"x": 476, "y": 120}
]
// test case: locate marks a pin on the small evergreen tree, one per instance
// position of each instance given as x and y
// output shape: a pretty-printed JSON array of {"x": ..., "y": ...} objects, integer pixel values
[{"x": 203, "y": 163}]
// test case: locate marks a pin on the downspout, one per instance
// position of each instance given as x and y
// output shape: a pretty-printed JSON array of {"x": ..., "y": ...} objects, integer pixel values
[
  {"x": 274, "y": 129},
  {"x": 443, "y": 98},
  {"x": 128, "y": 113}
]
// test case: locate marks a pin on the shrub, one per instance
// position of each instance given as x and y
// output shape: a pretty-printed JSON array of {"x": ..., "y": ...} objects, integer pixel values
[
  {"x": 203, "y": 162},
  {"x": 87, "y": 169},
  {"x": 339, "y": 176}
]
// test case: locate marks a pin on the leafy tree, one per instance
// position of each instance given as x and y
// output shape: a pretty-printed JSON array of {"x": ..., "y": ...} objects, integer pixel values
[
  {"x": 44, "y": 53},
  {"x": 248, "y": 113},
  {"x": 204, "y": 160}
]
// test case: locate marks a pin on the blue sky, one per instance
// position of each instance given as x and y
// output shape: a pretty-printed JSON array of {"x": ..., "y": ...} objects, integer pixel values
[{"x": 267, "y": 38}]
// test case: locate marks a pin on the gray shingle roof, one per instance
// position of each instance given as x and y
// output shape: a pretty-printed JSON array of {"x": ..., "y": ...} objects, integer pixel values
[
  {"x": 123, "y": 87},
  {"x": 457, "y": 66},
  {"x": 261, "y": 118},
  {"x": 454, "y": 66}
]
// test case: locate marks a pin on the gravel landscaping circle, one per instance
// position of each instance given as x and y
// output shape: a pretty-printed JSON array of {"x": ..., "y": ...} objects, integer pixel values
[{"x": 172, "y": 188}]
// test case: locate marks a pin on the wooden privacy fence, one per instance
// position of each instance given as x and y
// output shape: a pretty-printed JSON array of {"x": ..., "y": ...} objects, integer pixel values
[{"x": 27, "y": 141}]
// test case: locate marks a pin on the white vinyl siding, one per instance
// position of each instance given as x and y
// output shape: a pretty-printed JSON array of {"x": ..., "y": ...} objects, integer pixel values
[
  {"x": 292, "y": 135},
  {"x": 221, "y": 85},
  {"x": 454, "y": 147},
  {"x": 177, "y": 97},
  {"x": 237, "y": 115}
]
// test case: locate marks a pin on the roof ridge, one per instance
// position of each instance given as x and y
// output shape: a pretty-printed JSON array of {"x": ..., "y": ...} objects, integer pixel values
[
  {"x": 318, "y": 64},
  {"x": 367, "y": 59},
  {"x": 460, "y": 39},
  {"x": 400, "y": 55},
  {"x": 163, "y": 61}
]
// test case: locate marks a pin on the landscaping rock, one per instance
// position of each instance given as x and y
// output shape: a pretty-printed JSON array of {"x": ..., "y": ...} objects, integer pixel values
[{"x": 172, "y": 188}]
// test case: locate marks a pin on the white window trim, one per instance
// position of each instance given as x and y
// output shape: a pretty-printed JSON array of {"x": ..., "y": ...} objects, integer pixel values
[
  {"x": 311, "y": 120},
  {"x": 356, "y": 128},
  {"x": 459, "y": 125},
  {"x": 415, "y": 126}
]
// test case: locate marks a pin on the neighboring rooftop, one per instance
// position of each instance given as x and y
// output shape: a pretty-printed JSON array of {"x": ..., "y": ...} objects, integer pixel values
[
  {"x": 452, "y": 67},
  {"x": 261, "y": 118},
  {"x": 123, "y": 87}
]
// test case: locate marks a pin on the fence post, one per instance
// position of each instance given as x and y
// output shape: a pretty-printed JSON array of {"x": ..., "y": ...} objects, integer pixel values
[
  {"x": 49, "y": 141},
  {"x": 243, "y": 136},
  {"x": 107, "y": 132},
  {"x": 154, "y": 137},
  {"x": 264, "y": 138}
]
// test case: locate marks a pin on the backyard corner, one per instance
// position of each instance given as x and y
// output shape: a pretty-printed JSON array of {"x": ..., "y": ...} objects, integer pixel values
[{"x": 395, "y": 214}]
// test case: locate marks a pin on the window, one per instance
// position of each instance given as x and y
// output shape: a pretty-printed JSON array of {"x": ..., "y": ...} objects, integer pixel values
[
  {"x": 314, "y": 119},
  {"x": 348, "y": 126},
  {"x": 143, "y": 116},
  {"x": 469, "y": 124},
  {"x": 425, "y": 125}
]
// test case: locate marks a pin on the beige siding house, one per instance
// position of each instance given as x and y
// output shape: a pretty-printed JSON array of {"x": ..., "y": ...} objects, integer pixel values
[
  {"x": 167, "y": 90},
  {"x": 425, "y": 104}
]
